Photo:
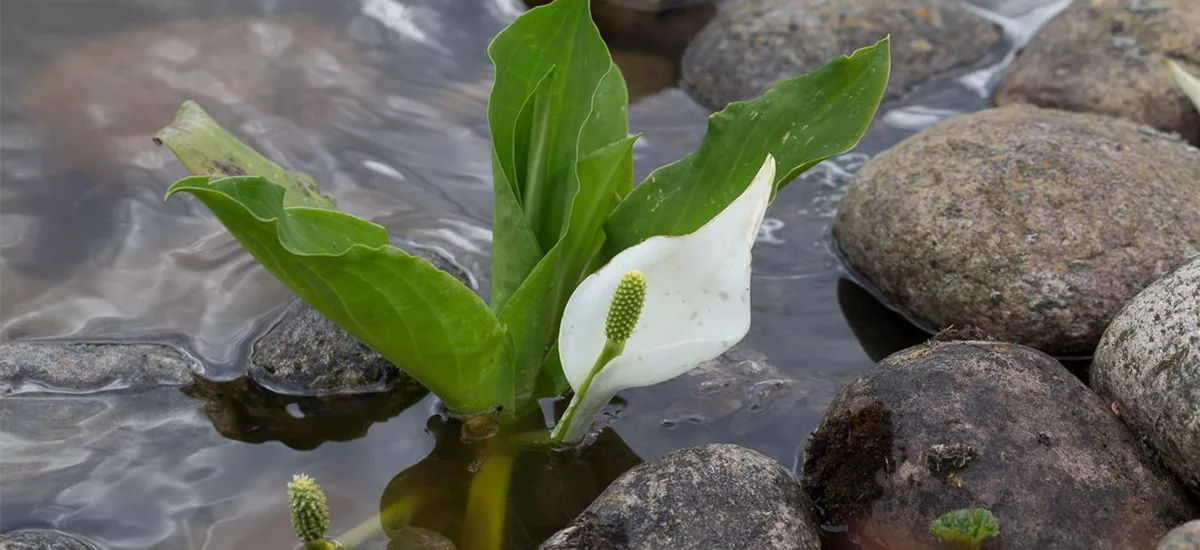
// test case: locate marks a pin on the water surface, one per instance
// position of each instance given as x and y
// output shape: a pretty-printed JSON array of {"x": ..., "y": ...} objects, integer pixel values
[{"x": 384, "y": 101}]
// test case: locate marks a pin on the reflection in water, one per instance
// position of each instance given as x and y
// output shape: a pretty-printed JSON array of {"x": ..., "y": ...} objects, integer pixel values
[
  {"x": 384, "y": 101},
  {"x": 880, "y": 330}
]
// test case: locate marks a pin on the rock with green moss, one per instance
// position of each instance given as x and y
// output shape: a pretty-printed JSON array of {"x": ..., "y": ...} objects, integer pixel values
[
  {"x": 1033, "y": 225},
  {"x": 980, "y": 424},
  {"x": 1148, "y": 366},
  {"x": 755, "y": 43},
  {"x": 1105, "y": 56}
]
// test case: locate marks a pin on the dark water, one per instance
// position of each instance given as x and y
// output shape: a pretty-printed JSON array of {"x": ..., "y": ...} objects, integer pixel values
[{"x": 384, "y": 101}]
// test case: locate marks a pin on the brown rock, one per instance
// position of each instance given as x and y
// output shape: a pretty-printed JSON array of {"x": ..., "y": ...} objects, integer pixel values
[
  {"x": 944, "y": 426},
  {"x": 1032, "y": 225},
  {"x": 755, "y": 43},
  {"x": 1106, "y": 56}
]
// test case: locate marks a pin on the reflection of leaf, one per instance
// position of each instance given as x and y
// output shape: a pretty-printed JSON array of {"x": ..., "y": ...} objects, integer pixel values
[
  {"x": 1187, "y": 82},
  {"x": 800, "y": 121},
  {"x": 432, "y": 493},
  {"x": 965, "y": 529}
]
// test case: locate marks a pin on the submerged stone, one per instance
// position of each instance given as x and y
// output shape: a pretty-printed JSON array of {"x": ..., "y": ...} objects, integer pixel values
[
  {"x": 80, "y": 367},
  {"x": 41, "y": 540},
  {"x": 305, "y": 353},
  {"x": 755, "y": 43},
  {"x": 1148, "y": 366},
  {"x": 950, "y": 425},
  {"x": 712, "y": 496},
  {"x": 1030, "y": 224},
  {"x": 1106, "y": 57}
]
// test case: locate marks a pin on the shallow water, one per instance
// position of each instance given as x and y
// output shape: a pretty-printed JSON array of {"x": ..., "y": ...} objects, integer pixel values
[{"x": 384, "y": 101}]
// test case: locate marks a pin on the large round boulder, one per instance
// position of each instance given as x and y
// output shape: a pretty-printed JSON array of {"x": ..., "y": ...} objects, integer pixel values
[
  {"x": 965, "y": 424},
  {"x": 1148, "y": 365},
  {"x": 755, "y": 43},
  {"x": 711, "y": 496},
  {"x": 1031, "y": 224},
  {"x": 1106, "y": 56}
]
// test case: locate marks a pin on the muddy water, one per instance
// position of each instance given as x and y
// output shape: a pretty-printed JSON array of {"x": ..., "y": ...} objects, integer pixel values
[{"x": 384, "y": 101}]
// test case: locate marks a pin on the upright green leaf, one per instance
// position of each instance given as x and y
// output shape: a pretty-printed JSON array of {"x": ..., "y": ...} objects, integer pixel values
[
  {"x": 415, "y": 315},
  {"x": 801, "y": 122},
  {"x": 536, "y": 308},
  {"x": 549, "y": 64}
]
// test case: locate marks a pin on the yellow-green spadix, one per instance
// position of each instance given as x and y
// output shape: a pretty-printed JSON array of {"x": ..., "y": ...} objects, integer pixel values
[{"x": 697, "y": 306}]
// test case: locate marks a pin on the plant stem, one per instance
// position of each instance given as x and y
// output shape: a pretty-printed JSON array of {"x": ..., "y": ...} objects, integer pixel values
[
  {"x": 320, "y": 544},
  {"x": 487, "y": 499},
  {"x": 611, "y": 351}
]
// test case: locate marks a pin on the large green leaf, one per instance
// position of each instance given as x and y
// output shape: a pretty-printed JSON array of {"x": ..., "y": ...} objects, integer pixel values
[
  {"x": 800, "y": 121},
  {"x": 417, "y": 316},
  {"x": 544, "y": 115}
]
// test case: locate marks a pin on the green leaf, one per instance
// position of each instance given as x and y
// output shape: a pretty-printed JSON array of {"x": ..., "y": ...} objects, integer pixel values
[
  {"x": 417, "y": 316},
  {"x": 536, "y": 308},
  {"x": 204, "y": 148},
  {"x": 1188, "y": 83},
  {"x": 545, "y": 113},
  {"x": 800, "y": 121},
  {"x": 965, "y": 529}
]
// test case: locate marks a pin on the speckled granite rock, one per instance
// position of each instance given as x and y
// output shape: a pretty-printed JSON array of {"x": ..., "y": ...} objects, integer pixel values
[
  {"x": 1034, "y": 225},
  {"x": 1148, "y": 365},
  {"x": 1105, "y": 56},
  {"x": 40, "y": 540},
  {"x": 1184, "y": 537},
  {"x": 714, "y": 497},
  {"x": 948, "y": 425},
  {"x": 754, "y": 43},
  {"x": 89, "y": 367}
]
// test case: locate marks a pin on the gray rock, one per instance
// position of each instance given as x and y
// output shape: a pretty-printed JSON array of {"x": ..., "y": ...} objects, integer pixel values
[
  {"x": 306, "y": 354},
  {"x": 949, "y": 425},
  {"x": 1184, "y": 537},
  {"x": 89, "y": 367},
  {"x": 713, "y": 496},
  {"x": 40, "y": 540},
  {"x": 755, "y": 43},
  {"x": 1034, "y": 225},
  {"x": 1105, "y": 56},
  {"x": 1148, "y": 366}
]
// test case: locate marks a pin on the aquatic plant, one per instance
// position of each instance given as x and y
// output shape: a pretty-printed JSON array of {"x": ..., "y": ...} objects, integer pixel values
[
  {"x": 568, "y": 226},
  {"x": 309, "y": 512},
  {"x": 1187, "y": 82},
  {"x": 965, "y": 529}
]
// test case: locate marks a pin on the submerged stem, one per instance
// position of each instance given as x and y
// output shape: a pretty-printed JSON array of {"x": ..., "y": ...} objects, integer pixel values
[
  {"x": 611, "y": 351},
  {"x": 487, "y": 500}
]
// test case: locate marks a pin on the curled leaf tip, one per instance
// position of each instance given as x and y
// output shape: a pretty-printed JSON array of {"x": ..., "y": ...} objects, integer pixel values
[
  {"x": 308, "y": 508},
  {"x": 626, "y": 306}
]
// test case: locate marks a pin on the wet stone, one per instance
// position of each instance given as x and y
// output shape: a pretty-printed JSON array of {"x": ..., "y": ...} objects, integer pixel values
[
  {"x": 1148, "y": 366},
  {"x": 306, "y": 353},
  {"x": 41, "y": 540},
  {"x": 949, "y": 425},
  {"x": 1106, "y": 56},
  {"x": 753, "y": 43},
  {"x": 1034, "y": 226},
  {"x": 78, "y": 367},
  {"x": 711, "y": 496},
  {"x": 1184, "y": 537}
]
